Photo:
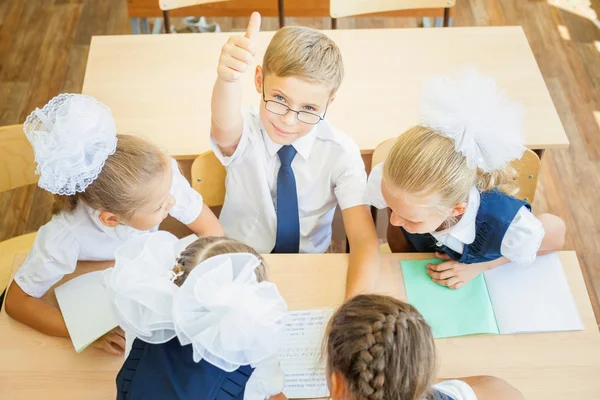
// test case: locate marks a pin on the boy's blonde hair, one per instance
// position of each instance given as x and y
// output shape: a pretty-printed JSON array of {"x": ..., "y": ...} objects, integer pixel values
[
  {"x": 424, "y": 162},
  {"x": 135, "y": 164},
  {"x": 206, "y": 247},
  {"x": 305, "y": 53}
]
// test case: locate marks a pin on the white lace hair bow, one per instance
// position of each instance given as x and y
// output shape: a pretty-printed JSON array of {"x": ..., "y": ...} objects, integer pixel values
[
  {"x": 72, "y": 136},
  {"x": 229, "y": 317},
  {"x": 486, "y": 126}
]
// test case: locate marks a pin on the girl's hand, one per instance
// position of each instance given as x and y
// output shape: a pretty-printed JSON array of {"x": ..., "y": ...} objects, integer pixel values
[
  {"x": 280, "y": 396},
  {"x": 112, "y": 342},
  {"x": 453, "y": 274}
]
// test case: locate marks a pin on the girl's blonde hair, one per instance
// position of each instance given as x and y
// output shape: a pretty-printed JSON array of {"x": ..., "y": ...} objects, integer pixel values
[
  {"x": 424, "y": 162},
  {"x": 135, "y": 164},
  {"x": 209, "y": 246},
  {"x": 383, "y": 348}
]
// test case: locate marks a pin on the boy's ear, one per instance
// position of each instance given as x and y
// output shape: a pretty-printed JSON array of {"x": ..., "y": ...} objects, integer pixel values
[
  {"x": 258, "y": 79},
  {"x": 459, "y": 209},
  {"x": 108, "y": 219}
]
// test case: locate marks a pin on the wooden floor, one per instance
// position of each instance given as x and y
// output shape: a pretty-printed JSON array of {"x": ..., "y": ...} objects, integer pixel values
[{"x": 44, "y": 46}]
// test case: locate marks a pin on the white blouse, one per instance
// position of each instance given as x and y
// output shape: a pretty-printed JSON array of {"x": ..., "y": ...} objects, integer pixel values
[
  {"x": 520, "y": 244},
  {"x": 328, "y": 169},
  {"x": 79, "y": 235},
  {"x": 458, "y": 390}
]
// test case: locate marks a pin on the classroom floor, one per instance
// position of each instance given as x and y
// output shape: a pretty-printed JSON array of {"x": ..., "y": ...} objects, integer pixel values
[{"x": 44, "y": 46}]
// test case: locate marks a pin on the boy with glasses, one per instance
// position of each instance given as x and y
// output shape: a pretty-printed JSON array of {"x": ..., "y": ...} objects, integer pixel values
[{"x": 287, "y": 167}]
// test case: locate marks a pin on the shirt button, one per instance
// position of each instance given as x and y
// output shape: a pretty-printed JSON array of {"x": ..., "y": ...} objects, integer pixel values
[{"x": 438, "y": 244}]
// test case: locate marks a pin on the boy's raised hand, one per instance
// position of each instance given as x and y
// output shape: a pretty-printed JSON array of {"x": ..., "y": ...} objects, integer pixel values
[{"x": 238, "y": 53}]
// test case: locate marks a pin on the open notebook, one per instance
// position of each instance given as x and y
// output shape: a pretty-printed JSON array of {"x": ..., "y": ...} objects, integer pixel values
[{"x": 509, "y": 299}]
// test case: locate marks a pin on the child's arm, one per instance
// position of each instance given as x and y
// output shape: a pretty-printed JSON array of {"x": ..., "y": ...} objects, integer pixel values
[
  {"x": 455, "y": 275},
  {"x": 492, "y": 388},
  {"x": 34, "y": 312},
  {"x": 226, "y": 116},
  {"x": 206, "y": 224},
  {"x": 363, "y": 269}
]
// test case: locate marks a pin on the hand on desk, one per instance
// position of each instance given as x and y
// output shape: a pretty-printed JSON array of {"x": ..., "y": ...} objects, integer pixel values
[
  {"x": 112, "y": 342},
  {"x": 453, "y": 274}
]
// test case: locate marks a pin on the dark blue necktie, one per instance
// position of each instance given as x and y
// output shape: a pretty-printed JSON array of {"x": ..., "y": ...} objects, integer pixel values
[{"x": 288, "y": 221}]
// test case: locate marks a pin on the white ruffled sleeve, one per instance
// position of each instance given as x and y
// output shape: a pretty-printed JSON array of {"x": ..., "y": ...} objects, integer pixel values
[
  {"x": 523, "y": 238},
  {"x": 266, "y": 381},
  {"x": 54, "y": 255},
  {"x": 374, "y": 194},
  {"x": 188, "y": 205},
  {"x": 457, "y": 389}
]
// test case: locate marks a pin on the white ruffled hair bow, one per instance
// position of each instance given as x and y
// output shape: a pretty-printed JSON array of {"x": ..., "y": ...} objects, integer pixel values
[
  {"x": 72, "y": 136},
  {"x": 486, "y": 126},
  {"x": 228, "y": 317}
]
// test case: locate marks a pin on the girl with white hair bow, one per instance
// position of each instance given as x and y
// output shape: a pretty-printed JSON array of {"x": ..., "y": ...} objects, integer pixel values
[
  {"x": 107, "y": 188},
  {"x": 449, "y": 184},
  {"x": 207, "y": 325}
]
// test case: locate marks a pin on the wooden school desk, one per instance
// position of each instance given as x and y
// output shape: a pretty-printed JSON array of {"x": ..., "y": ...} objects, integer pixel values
[
  {"x": 159, "y": 86},
  {"x": 550, "y": 366}
]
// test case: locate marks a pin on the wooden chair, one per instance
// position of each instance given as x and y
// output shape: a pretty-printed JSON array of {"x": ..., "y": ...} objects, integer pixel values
[
  {"x": 17, "y": 168},
  {"x": 167, "y": 5},
  {"x": 528, "y": 168},
  {"x": 348, "y": 8},
  {"x": 208, "y": 179}
]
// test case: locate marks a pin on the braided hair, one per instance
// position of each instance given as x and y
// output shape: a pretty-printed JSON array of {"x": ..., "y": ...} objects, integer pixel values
[
  {"x": 383, "y": 348},
  {"x": 209, "y": 246}
]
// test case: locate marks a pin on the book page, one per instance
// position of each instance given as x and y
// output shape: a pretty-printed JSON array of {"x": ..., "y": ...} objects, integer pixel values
[
  {"x": 86, "y": 308},
  {"x": 300, "y": 354},
  {"x": 532, "y": 298}
]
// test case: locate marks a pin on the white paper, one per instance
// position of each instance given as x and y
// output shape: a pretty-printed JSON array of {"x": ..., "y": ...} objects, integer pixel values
[
  {"x": 86, "y": 308},
  {"x": 300, "y": 354},
  {"x": 532, "y": 298}
]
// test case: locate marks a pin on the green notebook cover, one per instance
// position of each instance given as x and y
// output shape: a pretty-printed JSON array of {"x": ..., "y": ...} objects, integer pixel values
[{"x": 449, "y": 312}]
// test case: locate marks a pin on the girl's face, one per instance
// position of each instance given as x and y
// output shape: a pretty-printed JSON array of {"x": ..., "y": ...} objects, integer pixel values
[
  {"x": 159, "y": 202},
  {"x": 417, "y": 213}
]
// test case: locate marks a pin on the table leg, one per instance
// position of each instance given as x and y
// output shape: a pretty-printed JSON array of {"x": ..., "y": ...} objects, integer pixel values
[{"x": 145, "y": 25}]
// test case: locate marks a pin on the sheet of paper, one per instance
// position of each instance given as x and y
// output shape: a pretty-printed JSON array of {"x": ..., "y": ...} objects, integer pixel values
[
  {"x": 533, "y": 298},
  {"x": 449, "y": 312},
  {"x": 300, "y": 354},
  {"x": 86, "y": 308}
]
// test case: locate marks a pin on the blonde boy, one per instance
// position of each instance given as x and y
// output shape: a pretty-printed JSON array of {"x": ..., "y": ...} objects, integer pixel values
[{"x": 287, "y": 167}]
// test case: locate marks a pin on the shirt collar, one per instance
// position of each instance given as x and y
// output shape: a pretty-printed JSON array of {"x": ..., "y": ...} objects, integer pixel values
[
  {"x": 303, "y": 145},
  {"x": 464, "y": 229}
]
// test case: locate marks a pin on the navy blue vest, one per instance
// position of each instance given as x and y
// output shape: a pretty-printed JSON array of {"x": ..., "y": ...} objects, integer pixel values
[
  {"x": 168, "y": 371},
  {"x": 496, "y": 212}
]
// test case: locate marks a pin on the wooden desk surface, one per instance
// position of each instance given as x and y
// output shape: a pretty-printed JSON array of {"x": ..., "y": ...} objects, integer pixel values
[
  {"x": 159, "y": 86},
  {"x": 544, "y": 366}
]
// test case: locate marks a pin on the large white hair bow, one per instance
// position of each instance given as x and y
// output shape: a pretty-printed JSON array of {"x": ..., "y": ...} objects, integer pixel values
[
  {"x": 228, "y": 317},
  {"x": 72, "y": 136},
  {"x": 486, "y": 126}
]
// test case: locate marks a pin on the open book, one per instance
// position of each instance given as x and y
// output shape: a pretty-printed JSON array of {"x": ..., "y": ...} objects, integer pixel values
[{"x": 508, "y": 299}]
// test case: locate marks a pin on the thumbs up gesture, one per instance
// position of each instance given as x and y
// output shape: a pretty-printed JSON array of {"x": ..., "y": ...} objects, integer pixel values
[{"x": 239, "y": 52}]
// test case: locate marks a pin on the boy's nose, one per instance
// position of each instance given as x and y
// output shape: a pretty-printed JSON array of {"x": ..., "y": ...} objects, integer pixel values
[
  {"x": 396, "y": 220},
  {"x": 289, "y": 118}
]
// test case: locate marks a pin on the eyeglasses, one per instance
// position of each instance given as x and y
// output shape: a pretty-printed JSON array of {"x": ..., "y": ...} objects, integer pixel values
[{"x": 281, "y": 109}]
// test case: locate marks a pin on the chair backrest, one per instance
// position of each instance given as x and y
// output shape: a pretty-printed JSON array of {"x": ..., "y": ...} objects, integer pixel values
[
  {"x": 528, "y": 168},
  {"x": 348, "y": 8},
  {"x": 17, "y": 166},
  {"x": 208, "y": 179},
  {"x": 166, "y": 5}
]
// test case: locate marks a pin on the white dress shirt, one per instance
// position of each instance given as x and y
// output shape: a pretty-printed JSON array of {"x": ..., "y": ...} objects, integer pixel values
[
  {"x": 520, "y": 243},
  {"x": 328, "y": 169},
  {"x": 79, "y": 235}
]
